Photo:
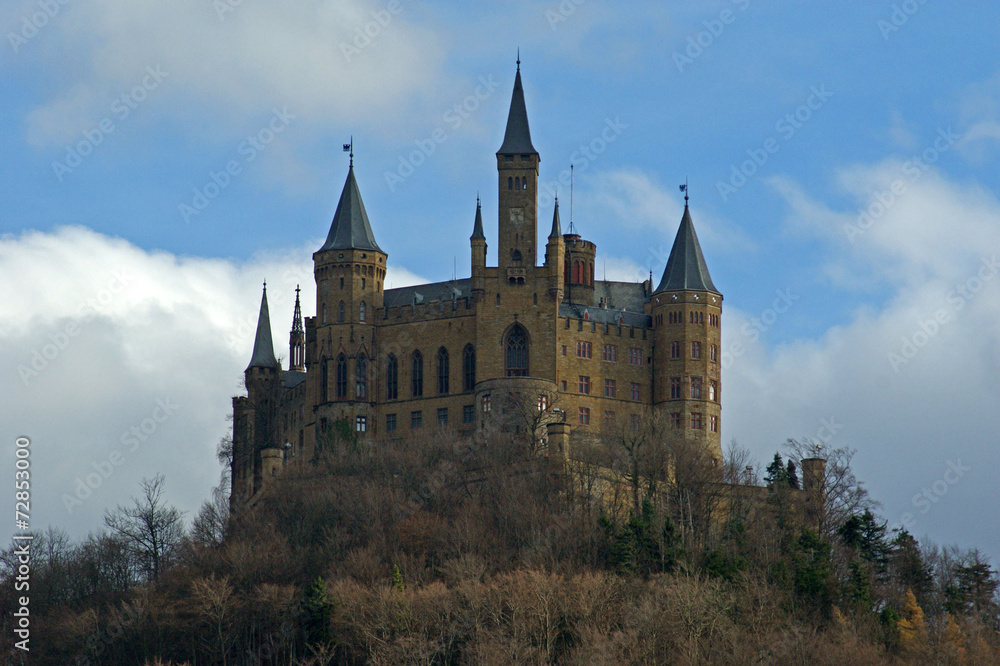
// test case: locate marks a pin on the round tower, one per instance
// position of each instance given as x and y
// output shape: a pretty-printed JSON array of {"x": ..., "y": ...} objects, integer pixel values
[{"x": 687, "y": 309}]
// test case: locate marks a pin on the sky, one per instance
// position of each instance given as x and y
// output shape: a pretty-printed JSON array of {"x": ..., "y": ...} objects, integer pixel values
[{"x": 160, "y": 160}]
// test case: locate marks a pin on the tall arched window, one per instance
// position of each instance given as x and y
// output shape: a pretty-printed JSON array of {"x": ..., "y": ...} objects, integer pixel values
[
  {"x": 392, "y": 378},
  {"x": 363, "y": 311},
  {"x": 524, "y": 184},
  {"x": 417, "y": 383},
  {"x": 516, "y": 352},
  {"x": 361, "y": 377},
  {"x": 510, "y": 183},
  {"x": 469, "y": 368},
  {"x": 341, "y": 377},
  {"x": 442, "y": 360},
  {"x": 340, "y": 313},
  {"x": 517, "y": 182}
]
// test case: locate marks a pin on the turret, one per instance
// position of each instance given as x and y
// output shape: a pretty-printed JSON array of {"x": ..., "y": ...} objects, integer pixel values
[
  {"x": 517, "y": 168},
  {"x": 297, "y": 339},
  {"x": 578, "y": 271},
  {"x": 687, "y": 309},
  {"x": 555, "y": 257},
  {"x": 478, "y": 242}
]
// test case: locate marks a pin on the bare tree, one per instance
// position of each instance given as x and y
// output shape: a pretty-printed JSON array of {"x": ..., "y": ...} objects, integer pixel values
[
  {"x": 844, "y": 495},
  {"x": 151, "y": 530}
]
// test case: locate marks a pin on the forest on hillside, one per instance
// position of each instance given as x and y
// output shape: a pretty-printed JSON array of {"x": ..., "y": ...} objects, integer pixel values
[{"x": 434, "y": 550}]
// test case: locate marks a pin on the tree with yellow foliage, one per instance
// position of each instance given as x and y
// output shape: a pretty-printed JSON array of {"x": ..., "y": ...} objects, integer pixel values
[{"x": 912, "y": 629}]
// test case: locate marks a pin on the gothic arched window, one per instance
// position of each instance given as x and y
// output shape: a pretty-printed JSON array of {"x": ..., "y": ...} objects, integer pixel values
[
  {"x": 516, "y": 352},
  {"x": 361, "y": 377},
  {"x": 340, "y": 313},
  {"x": 442, "y": 360},
  {"x": 324, "y": 380},
  {"x": 469, "y": 368},
  {"x": 363, "y": 311},
  {"x": 392, "y": 378},
  {"x": 417, "y": 383},
  {"x": 341, "y": 377},
  {"x": 517, "y": 183},
  {"x": 510, "y": 183}
]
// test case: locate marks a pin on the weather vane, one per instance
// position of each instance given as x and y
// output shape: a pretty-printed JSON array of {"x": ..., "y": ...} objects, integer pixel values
[
  {"x": 349, "y": 148},
  {"x": 684, "y": 189}
]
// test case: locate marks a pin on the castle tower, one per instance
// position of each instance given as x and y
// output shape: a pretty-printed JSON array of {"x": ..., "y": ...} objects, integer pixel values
[
  {"x": 255, "y": 416},
  {"x": 555, "y": 257},
  {"x": 578, "y": 271},
  {"x": 297, "y": 339},
  {"x": 478, "y": 242},
  {"x": 517, "y": 167},
  {"x": 350, "y": 272},
  {"x": 687, "y": 310}
]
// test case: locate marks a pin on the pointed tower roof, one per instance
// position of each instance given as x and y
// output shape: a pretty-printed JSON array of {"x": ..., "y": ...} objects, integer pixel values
[
  {"x": 686, "y": 268},
  {"x": 477, "y": 230},
  {"x": 556, "y": 225},
  {"x": 263, "y": 348},
  {"x": 297, "y": 315},
  {"x": 517, "y": 138},
  {"x": 350, "y": 229}
]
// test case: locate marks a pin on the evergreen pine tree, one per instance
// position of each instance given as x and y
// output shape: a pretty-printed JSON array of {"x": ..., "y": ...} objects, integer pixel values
[
  {"x": 792, "y": 474},
  {"x": 777, "y": 475},
  {"x": 316, "y": 611}
]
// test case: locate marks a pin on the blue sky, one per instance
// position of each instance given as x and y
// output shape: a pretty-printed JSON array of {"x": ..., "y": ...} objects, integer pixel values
[{"x": 163, "y": 97}]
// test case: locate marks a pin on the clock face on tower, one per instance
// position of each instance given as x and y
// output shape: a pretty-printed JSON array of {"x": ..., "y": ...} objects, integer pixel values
[{"x": 517, "y": 216}]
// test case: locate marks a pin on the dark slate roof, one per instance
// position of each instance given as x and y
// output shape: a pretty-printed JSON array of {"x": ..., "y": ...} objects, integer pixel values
[
  {"x": 425, "y": 293},
  {"x": 556, "y": 225},
  {"x": 293, "y": 379},
  {"x": 350, "y": 229},
  {"x": 477, "y": 230},
  {"x": 517, "y": 138},
  {"x": 686, "y": 268},
  {"x": 263, "y": 347},
  {"x": 605, "y": 316},
  {"x": 618, "y": 295}
]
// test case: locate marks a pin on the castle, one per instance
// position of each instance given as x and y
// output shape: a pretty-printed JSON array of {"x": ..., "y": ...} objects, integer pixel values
[{"x": 389, "y": 363}]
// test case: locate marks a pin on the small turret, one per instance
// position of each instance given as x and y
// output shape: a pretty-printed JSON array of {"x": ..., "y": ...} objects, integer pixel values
[
  {"x": 555, "y": 256},
  {"x": 263, "y": 347},
  {"x": 478, "y": 242}
]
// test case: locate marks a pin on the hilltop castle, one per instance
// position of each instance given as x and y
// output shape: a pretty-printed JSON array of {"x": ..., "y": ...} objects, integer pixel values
[{"x": 388, "y": 363}]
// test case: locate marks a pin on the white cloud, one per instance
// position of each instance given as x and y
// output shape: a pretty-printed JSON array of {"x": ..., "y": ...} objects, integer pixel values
[{"x": 98, "y": 335}]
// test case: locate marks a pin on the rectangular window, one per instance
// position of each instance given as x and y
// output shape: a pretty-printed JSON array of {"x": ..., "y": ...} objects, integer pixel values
[
  {"x": 609, "y": 388},
  {"x": 675, "y": 349},
  {"x": 696, "y": 421},
  {"x": 584, "y": 384},
  {"x": 584, "y": 415},
  {"x": 634, "y": 356},
  {"x": 695, "y": 350},
  {"x": 361, "y": 424},
  {"x": 610, "y": 353},
  {"x": 390, "y": 422},
  {"x": 675, "y": 419},
  {"x": 713, "y": 391},
  {"x": 468, "y": 413},
  {"x": 442, "y": 416},
  {"x": 636, "y": 392},
  {"x": 675, "y": 388},
  {"x": 416, "y": 419},
  {"x": 696, "y": 388},
  {"x": 609, "y": 418},
  {"x": 713, "y": 353},
  {"x": 486, "y": 403},
  {"x": 543, "y": 402},
  {"x": 634, "y": 421},
  {"x": 564, "y": 350},
  {"x": 713, "y": 423},
  {"x": 563, "y": 385},
  {"x": 583, "y": 349}
]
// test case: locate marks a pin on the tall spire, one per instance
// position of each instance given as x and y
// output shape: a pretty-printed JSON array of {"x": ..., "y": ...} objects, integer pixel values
[
  {"x": 350, "y": 229},
  {"x": 297, "y": 339},
  {"x": 556, "y": 225},
  {"x": 477, "y": 230},
  {"x": 263, "y": 348},
  {"x": 686, "y": 268},
  {"x": 517, "y": 138}
]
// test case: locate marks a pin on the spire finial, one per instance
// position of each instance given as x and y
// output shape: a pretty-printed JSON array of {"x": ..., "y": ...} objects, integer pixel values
[
  {"x": 684, "y": 189},
  {"x": 296, "y": 292},
  {"x": 265, "y": 284},
  {"x": 349, "y": 148},
  {"x": 519, "y": 58}
]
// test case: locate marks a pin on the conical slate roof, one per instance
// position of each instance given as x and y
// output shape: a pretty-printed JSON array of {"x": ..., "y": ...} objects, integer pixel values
[
  {"x": 350, "y": 229},
  {"x": 477, "y": 230},
  {"x": 517, "y": 138},
  {"x": 686, "y": 268},
  {"x": 263, "y": 347},
  {"x": 556, "y": 225}
]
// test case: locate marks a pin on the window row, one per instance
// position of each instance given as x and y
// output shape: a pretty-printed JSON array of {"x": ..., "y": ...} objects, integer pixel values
[
  {"x": 696, "y": 385},
  {"x": 609, "y": 353},
  {"x": 342, "y": 311},
  {"x": 610, "y": 388},
  {"x": 713, "y": 351},
  {"x": 697, "y": 421},
  {"x": 517, "y": 183},
  {"x": 677, "y": 317},
  {"x": 417, "y": 417},
  {"x": 443, "y": 366}
]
